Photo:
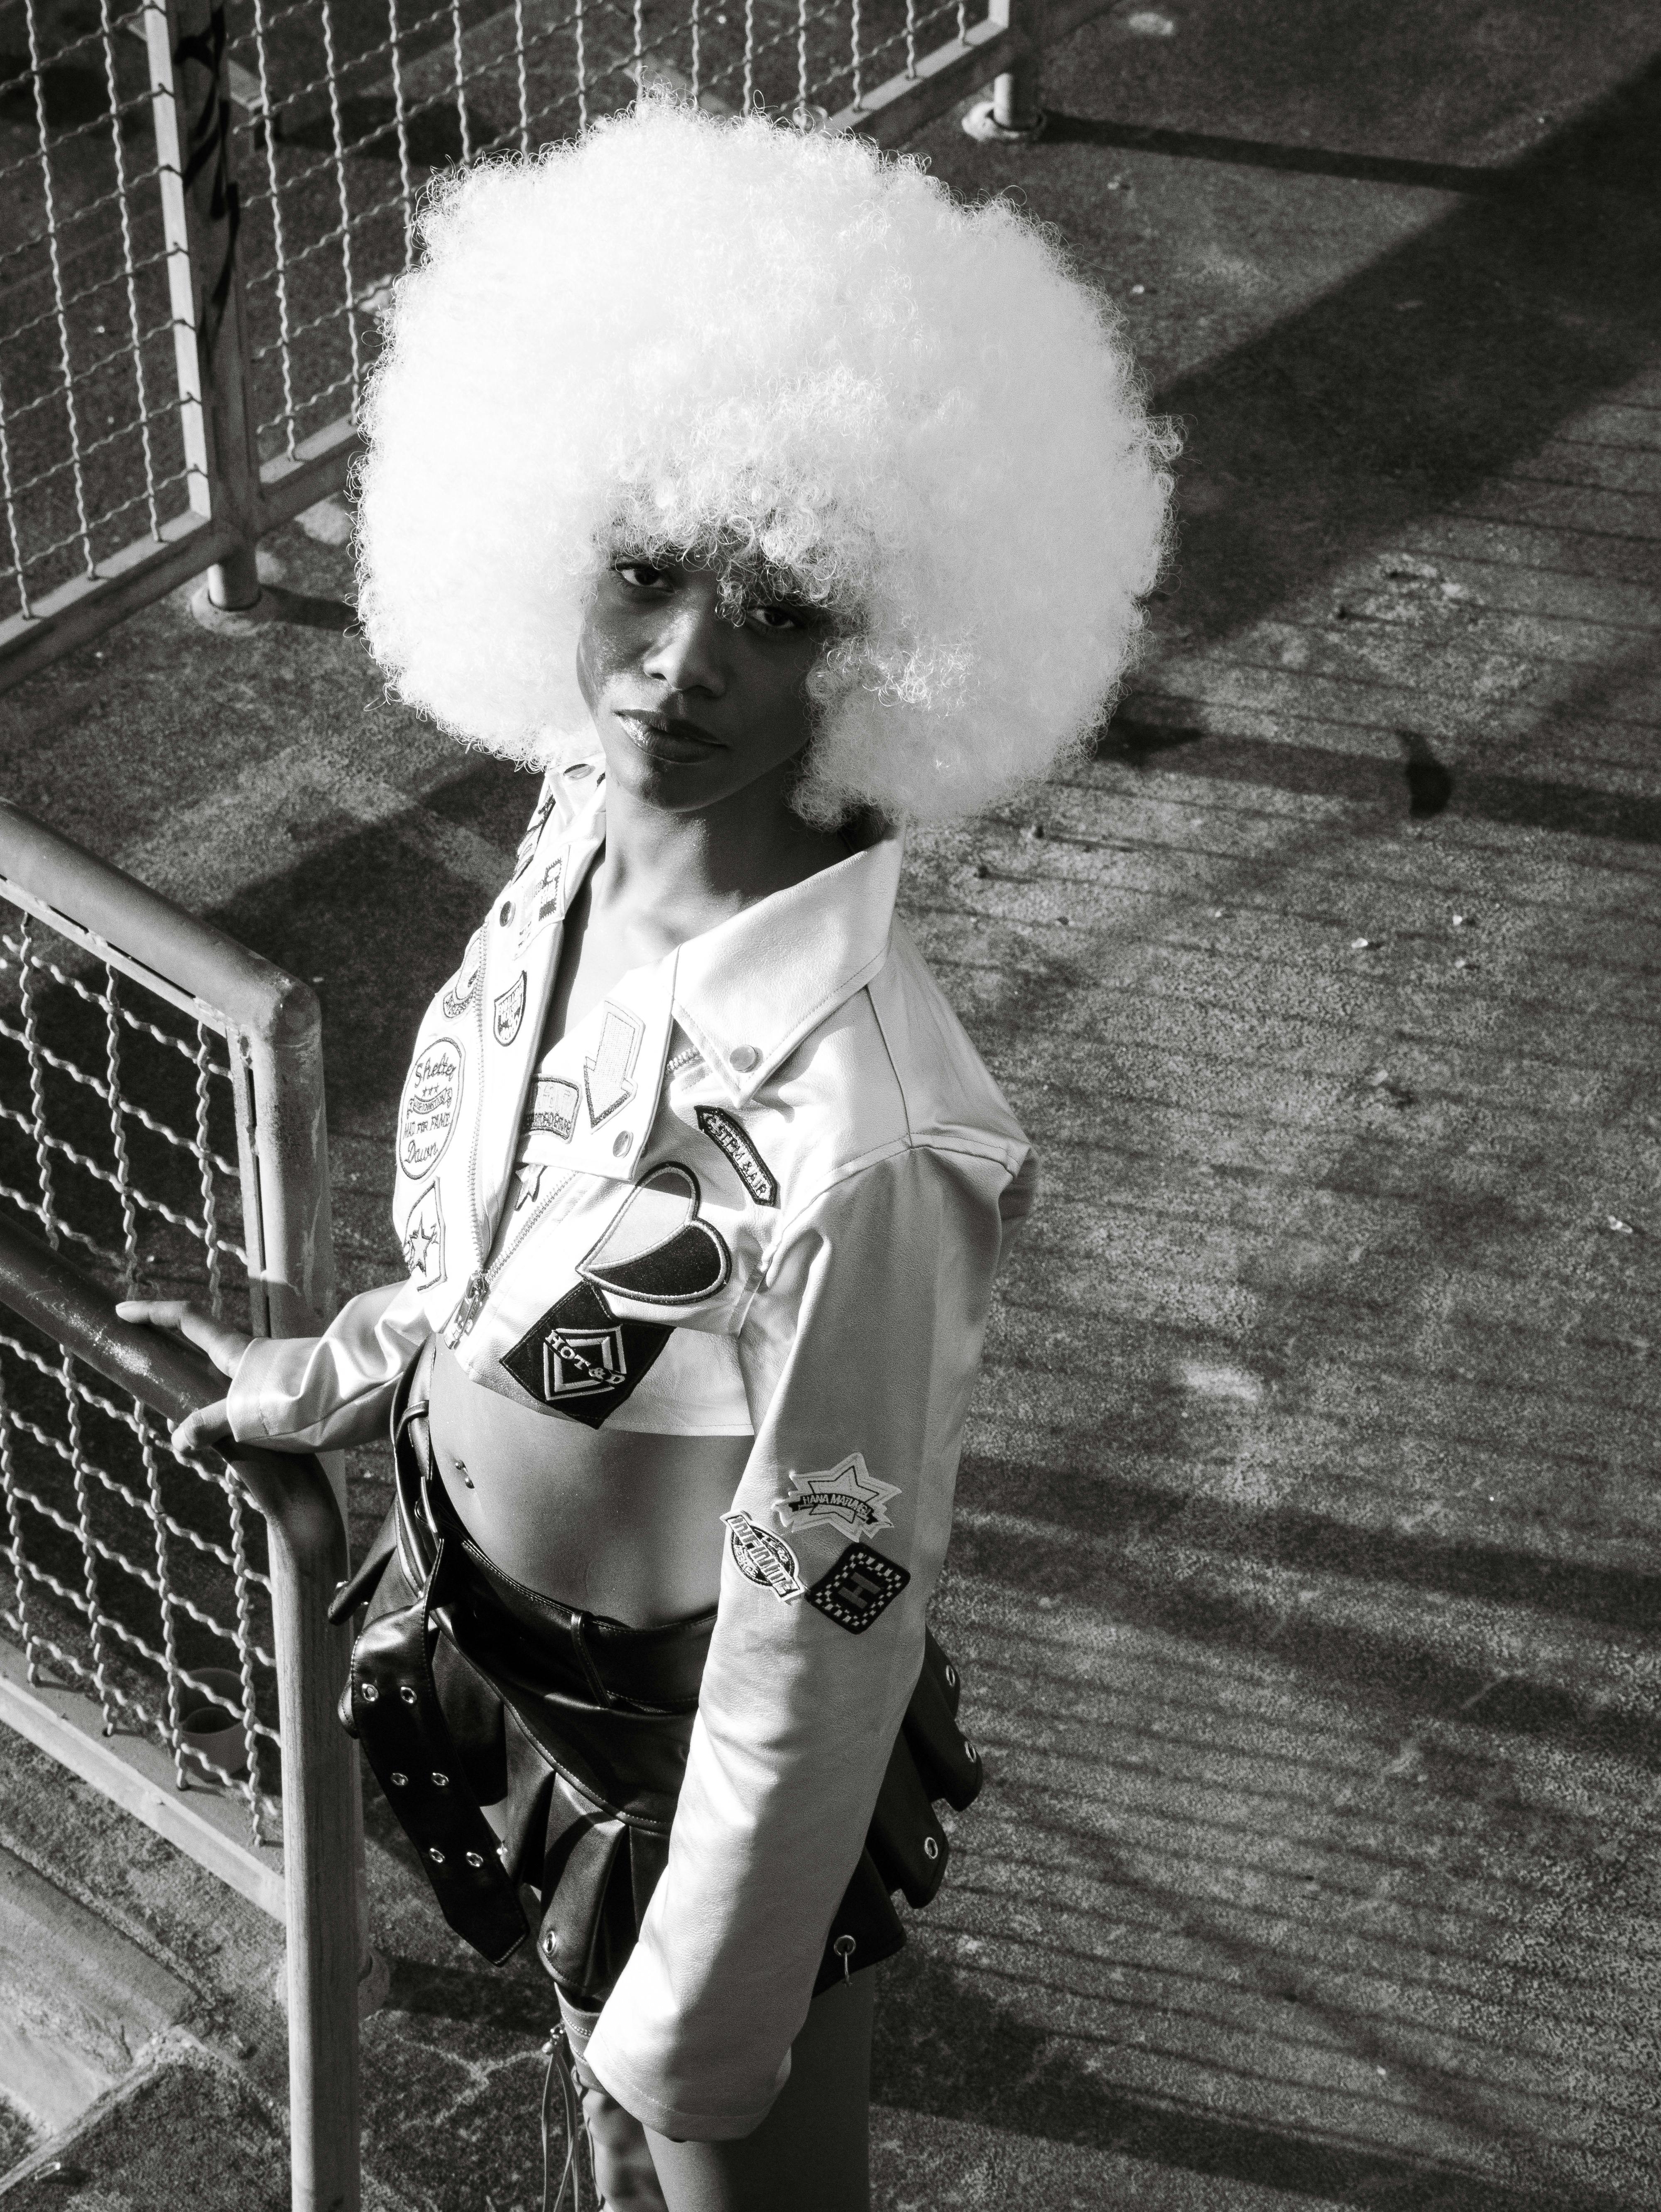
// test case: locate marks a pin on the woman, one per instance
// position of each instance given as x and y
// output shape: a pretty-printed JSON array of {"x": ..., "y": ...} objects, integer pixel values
[{"x": 765, "y": 499}]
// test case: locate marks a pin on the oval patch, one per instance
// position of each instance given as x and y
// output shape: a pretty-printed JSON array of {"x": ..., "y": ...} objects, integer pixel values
[{"x": 431, "y": 1103}]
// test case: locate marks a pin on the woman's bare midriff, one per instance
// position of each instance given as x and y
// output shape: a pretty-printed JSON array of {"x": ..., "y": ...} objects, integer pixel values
[{"x": 616, "y": 1522}]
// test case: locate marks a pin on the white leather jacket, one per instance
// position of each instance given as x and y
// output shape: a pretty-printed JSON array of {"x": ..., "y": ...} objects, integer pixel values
[{"x": 761, "y": 1190}]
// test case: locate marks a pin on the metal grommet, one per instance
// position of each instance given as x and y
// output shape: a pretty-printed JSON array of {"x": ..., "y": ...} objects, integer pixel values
[
  {"x": 407, "y": 1692},
  {"x": 368, "y": 1692},
  {"x": 434, "y": 1855},
  {"x": 970, "y": 1751},
  {"x": 474, "y": 1860},
  {"x": 931, "y": 1848},
  {"x": 440, "y": 1781},
  {"x": 397, "y": 1781},
  {"x": 950, "y": 1678},
  {"x": 844, "y": 1947}
]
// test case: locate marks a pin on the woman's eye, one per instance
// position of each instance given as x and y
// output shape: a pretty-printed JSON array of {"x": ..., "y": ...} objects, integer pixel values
[
  {"x": 640, "y": 575},
  {"x": 778, "y": 618}
]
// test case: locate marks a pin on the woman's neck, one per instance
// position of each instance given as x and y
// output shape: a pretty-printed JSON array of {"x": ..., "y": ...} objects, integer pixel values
[{"x": 664, "y": 878}]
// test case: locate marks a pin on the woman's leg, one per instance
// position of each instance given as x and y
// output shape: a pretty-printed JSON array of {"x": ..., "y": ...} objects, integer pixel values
[{"x": 812, "y": 2153}]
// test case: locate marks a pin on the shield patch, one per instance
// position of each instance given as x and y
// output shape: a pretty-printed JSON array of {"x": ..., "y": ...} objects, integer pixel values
[{"x": 510, "y": 1011}]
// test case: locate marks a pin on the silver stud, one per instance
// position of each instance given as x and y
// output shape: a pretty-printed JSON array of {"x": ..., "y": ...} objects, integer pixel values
[
  {"x": 441, "y": 1781},
  {"x": 368, "y": 1692},
  {"x": 621, "y": 1143},
  {"x": 398, "y": 1781},
  {"x": 950, "y": 1678},
  {"x": 931, "y": 1850},
  {"x": 505, "y": 914},
  {"x": 407, "y": 1692},
  {"x": 551, "y": 1942},
  {"x": 434, "y": 1855},
  {"x": 744, "y": 1057},
  {"x": 970, "y": 1751},
  {"x": 474, "y": 1860}
]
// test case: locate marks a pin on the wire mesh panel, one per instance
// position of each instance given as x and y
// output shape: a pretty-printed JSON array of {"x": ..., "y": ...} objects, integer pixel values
[
  {"x": 127, "y": 1571},
  {"x": 91, "y": 450}
]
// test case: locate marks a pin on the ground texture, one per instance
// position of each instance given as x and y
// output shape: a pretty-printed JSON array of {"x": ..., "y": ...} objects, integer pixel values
[{"x": 1305, "y": 1579}]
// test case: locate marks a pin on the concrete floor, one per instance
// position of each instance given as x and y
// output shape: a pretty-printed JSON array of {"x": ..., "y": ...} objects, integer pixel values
[{"x": 1305, "y": 1577}]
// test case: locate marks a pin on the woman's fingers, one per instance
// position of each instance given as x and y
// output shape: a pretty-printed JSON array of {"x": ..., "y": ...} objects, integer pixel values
[
  {"x": 207, "y": 1426},
  {"x": 224, "y": 1346}
]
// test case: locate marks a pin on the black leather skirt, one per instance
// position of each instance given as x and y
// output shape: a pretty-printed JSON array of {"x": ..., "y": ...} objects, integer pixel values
[{"x": 469, "y": 1689}]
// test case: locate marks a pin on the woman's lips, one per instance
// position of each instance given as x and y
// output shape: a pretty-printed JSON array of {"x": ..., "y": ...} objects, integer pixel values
[{"x": 665, "y": 737}]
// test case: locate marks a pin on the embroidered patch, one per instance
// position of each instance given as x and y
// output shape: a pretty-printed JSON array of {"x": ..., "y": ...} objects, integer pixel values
[
  {"x": 763, "y": 1559},
  {"x": 655, "y": 1247},
  {"x": 528, "y": 842},
  {"x": 728, "y": 1132},
  {"x": 859, "y": 1589},
  {"x": 461, "y": 988},
  {"x": 543, "y": 904},
  {"x": 607, "y": 1078},
  {"x": 427, "y": 1112},
  {"x": 581, "y": 1359},
  {"x": 509, "y": 1011},
  {"x": 553, "y": 1107},
  {"x": 849, "y": 1498},
  {"x": 423, "y": 1239}
]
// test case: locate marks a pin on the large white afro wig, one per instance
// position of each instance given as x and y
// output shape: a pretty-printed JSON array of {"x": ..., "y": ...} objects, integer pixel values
[{"x": 738, "y": 340}]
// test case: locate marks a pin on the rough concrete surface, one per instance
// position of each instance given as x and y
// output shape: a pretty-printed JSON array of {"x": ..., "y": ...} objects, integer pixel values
[{"x": 1305, "y": 1576}]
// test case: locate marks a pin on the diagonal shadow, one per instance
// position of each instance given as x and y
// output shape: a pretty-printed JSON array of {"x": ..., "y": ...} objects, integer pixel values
[
  {"x": 942, "y": 2048},
  {"x": 1536, "y": 294}
]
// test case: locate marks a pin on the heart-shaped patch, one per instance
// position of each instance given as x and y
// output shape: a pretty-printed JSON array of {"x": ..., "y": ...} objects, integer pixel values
[{"x": 655, "y": 1249}]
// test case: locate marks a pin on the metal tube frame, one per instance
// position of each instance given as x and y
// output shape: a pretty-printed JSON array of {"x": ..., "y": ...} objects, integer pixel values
[{"x": 308, "y": 1550}]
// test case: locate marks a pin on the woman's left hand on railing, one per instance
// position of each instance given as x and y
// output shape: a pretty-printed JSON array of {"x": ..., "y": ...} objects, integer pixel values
[{"x": 209, "y": 1424}]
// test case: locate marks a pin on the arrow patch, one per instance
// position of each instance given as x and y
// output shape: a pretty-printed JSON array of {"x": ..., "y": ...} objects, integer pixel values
[{"x": 608, "y": 1077}]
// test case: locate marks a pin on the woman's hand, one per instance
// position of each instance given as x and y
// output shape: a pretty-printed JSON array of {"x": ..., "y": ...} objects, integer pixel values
[{"x": 209, "y": 1424}]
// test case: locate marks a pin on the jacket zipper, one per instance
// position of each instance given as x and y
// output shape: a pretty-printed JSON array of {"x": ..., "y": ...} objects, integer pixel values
[{"x": 480, "y": 1284}]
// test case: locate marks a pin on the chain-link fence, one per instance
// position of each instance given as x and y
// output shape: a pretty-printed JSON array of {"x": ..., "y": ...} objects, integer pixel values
[
  {"x": 203, "y": 202},
  {"x": 160, "y": 1125}
]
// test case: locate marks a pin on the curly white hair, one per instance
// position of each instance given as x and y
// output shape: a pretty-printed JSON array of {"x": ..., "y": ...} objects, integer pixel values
[{"x": 732, "y": 339}]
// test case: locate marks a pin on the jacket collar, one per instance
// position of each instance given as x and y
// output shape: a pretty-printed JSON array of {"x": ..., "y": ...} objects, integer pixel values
[{"x": 748, "y": 990}]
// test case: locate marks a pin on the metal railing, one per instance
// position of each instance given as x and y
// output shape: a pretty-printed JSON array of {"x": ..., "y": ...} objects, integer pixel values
[
  {"x": 162, "y": 1120},
  {"x": 213, "y": 196},
  {"x": 68, "y": 1316}
]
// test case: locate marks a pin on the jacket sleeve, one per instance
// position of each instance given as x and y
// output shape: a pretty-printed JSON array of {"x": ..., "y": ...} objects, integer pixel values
[
  {"x": 318, "y": 1393},
  {"x": 863, "y": 1338}
]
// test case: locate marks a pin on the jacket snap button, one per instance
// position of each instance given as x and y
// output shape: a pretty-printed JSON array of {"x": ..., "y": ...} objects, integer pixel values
[
  {"x": 931, "y": 1850},
  {"x": 551, "y": 1942},
  {"x": 397, "y": 1781},
  {"x": 621, "y": 1143},
  {"x": 506, "y": 914},
  {"x": 436, "y": 1855},
  {"x": 368, "y": 1692},
  {"x": 443, "y": 1781},
  {"x": 744, "y": 1057},
  {"x": 408, "y": 1694}
]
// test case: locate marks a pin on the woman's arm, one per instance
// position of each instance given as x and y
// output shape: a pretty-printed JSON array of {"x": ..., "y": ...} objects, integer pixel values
[
  {"x": 300, "y": 1394},
  {"x": 860, "y": 1350}
]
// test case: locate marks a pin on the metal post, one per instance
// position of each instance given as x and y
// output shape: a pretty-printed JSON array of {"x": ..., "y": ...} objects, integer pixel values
[
  {"x": 191, "y": 102},
  {"x": 1014, "y": 111}
]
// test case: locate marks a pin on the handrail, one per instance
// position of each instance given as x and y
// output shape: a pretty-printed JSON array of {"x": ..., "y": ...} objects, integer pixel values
[{"x": 307, "y": 1548}]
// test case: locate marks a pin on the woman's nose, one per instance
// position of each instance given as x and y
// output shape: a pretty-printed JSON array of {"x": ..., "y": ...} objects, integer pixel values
[{"x": 689, "y": 651}]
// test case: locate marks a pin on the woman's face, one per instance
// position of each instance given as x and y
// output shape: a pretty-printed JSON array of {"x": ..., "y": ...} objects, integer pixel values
[{"x": 689, "y": 706}]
